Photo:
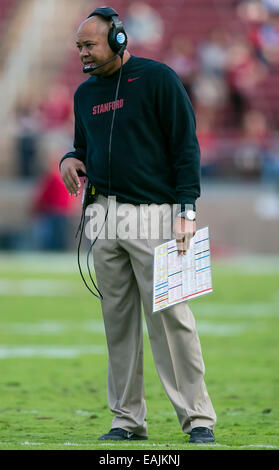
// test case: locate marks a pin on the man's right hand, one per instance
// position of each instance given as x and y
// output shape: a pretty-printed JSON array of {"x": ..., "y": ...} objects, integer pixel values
[{"x": 68, "y": 169}]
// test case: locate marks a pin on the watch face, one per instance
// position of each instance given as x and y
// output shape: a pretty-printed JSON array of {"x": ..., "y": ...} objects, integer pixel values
[{"x": 191, "y": 215}]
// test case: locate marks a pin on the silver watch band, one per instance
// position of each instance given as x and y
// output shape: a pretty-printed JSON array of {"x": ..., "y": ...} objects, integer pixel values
[{"x": 189, "y": 215}]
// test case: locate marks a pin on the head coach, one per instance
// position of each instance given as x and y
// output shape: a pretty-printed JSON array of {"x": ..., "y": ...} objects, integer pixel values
[{"x": 135, "y": 139}]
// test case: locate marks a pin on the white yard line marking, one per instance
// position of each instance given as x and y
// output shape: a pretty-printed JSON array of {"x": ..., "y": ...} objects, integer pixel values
[
  {"x": 38, "y": 287},
  {"x": 141, "y": 444},
  {"x": 43, "y": 327},
  {"x": 27, "y": 412},
  {"x": 266, "y": 264},
  {"x": 50, "y": 351},
  {"x": 261, "y": 445},
  {"x": 27, "y": 443},
  {"x": 237, "y": 310},
  {"x": 66, "y": 262},
  {"x": 198, "y": 445},
  {"x": 83, "y": 412},
  {"x": 218, "y": 329},
  {"x": 50, "y": 328},
  {"x": 39, "y": 262},
  {"x": 151, "y": 444}
]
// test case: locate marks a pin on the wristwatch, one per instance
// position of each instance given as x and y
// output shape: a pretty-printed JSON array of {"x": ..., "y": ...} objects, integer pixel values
[{"x": 189, "y": 215}]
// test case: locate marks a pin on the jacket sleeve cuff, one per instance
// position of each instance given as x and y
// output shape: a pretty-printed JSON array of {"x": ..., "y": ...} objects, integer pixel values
[
  {"x": 183, "y": 207},
  {"x": 68, "y": 155}
]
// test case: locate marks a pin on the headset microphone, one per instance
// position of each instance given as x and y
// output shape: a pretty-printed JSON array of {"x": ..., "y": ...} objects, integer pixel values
[{"x": 91, "y": 68}]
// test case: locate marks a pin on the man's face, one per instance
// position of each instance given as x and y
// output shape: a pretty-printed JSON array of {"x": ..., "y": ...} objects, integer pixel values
[{"x": 92, "y": 43}]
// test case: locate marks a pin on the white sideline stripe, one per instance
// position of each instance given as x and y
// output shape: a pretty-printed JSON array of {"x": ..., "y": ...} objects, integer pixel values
[
  {"x": 84, "y": 412},
  {"x": 38, "y": 287},
  {"x": 264, "y": 446},
  {"x": 30, "y": 412},
  {"x": 49, "y": 351},
  {"x": 39, "y": 262},
  {"x": 251, "y": 264},
  {"x": 237, "y": 310},
  {"x": 217, "y": 329},
  {"x": 60, "y": 288},
  {"x": 97, "y": 327},
  {"x": 200, "y": 445},
  {"x": 78, "y": 412},
  {"x": 45, "y": 327},
  {"x": 39, "y": 328},
  {"x": 66, "y": 262}
]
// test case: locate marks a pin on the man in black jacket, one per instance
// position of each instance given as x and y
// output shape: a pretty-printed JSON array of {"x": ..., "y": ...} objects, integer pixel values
[{"x": 139, "y": 145}]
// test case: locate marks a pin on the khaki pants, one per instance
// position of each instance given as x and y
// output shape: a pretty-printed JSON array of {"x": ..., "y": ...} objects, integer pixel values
[{"x": 124, "y": 272}]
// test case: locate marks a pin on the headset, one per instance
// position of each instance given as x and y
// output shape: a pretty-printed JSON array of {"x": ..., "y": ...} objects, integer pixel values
[
  {"x": 117, "y": 40},
  {"x": 117, "y": 37}
]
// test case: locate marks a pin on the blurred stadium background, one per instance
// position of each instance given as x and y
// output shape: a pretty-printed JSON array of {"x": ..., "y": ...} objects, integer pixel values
[{"x": 226, "y": 53}]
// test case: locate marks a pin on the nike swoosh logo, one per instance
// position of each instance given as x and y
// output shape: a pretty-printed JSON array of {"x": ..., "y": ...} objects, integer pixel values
[
  {"x": 132, "y": 79},
  {"x": 129, "y": 434}
]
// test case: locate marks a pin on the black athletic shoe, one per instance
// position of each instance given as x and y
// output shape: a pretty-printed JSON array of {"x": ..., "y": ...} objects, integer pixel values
[
  {"x": 118, "y": 434},
  {"x": 201, "y": 435}
]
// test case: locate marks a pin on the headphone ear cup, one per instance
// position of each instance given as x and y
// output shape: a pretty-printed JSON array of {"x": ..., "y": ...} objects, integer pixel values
[
  {"x": 112, "y": 39},
  {"x": 117, "y": 38}
]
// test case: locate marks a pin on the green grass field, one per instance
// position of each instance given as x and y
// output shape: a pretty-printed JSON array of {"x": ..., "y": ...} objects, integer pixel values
[{"x": 53, "y": 359}]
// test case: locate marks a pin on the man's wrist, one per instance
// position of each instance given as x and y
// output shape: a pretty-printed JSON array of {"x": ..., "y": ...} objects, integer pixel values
[
  {"x": 66, "y": 157},
  {"x": 189, "y": 215},
  {"x": 187, "y": 211},
  {"x": 61, "y": 161}
]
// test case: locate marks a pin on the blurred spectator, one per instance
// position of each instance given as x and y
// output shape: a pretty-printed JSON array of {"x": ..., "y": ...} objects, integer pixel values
[
  {"x": 253, "y": 14},
  {"x": 27, "y": 141},
  {"x": 144, "y": 26},
  {"x": 270, "y": 165},
  {"x": 244, "y": 72},
  {"x": 210, "y": 95},
  {"x": 268, "y": 37},
  {"x": 255, "y": 127},
  {"x": 213, "y": 53},
  {"x": 259, "y": 142},
  {"x": 210, "y": 89},
  {"x": 263, "y": 28},
  {"x": 253, "y": 147},
  {"x": 208, "y": 141},
  {"x": 181, "y": 58},
  {"x": 56, "y": 109},
  {"x": 51, "y": 209},
  {"x": 271, "y": 5},
  {"x": 253, "y": 11}
]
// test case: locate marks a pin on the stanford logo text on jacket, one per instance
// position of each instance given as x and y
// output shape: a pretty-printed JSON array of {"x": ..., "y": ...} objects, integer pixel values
[{"x": 106, "y": 107}]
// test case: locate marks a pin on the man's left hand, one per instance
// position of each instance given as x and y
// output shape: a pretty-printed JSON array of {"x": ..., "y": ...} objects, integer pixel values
[{"x": 183, "y": 230}]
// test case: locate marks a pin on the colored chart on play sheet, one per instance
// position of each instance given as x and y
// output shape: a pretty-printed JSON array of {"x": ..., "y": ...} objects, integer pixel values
[{"x": 184, "y": 277}]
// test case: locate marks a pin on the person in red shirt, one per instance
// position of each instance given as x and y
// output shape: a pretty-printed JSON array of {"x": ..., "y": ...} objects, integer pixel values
[{"x": 51, "y": 208}]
